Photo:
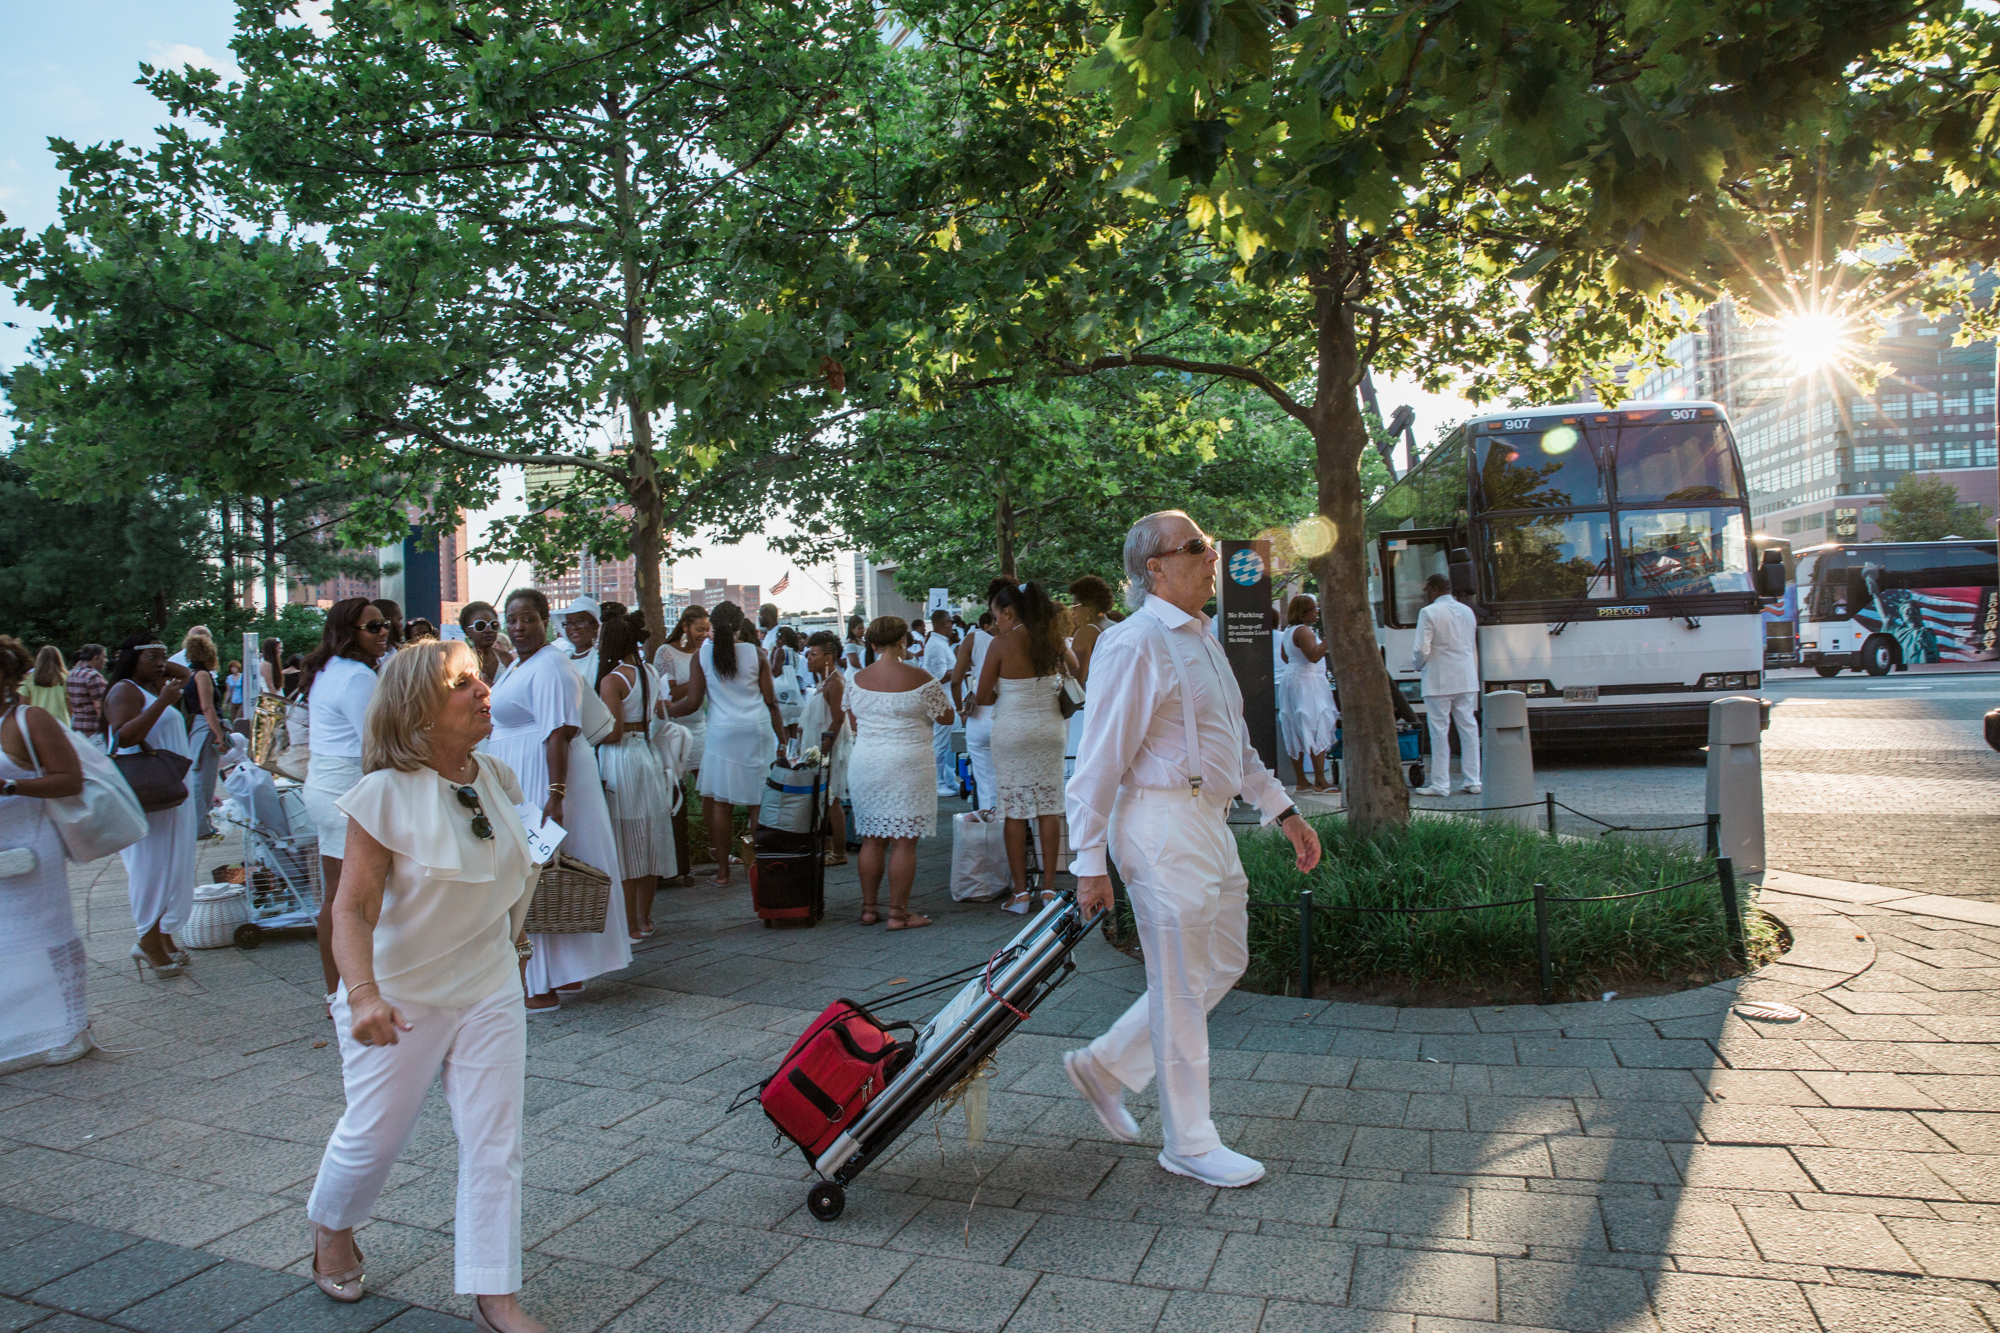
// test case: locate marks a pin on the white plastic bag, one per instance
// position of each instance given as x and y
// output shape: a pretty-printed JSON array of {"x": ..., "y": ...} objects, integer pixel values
[{"x": 978, "y": 858}]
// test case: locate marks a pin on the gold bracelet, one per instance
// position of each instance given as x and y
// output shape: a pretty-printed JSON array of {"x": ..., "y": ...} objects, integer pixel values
[
  {"x": 558, "y": 789},
  {"x": 359, "y": 985}
]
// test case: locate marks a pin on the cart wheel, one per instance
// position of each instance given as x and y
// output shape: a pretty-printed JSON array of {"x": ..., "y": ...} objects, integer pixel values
[
  {"x": 1416, "y": 775},
  {"x": 249, "y": 935},
  {"x": 826, "y": 1201}
]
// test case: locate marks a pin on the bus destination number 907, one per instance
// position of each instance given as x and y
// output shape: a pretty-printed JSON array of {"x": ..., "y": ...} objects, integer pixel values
[
  {"x": 1685, "y": 414},
  {"x": 1517, "y": 423}
]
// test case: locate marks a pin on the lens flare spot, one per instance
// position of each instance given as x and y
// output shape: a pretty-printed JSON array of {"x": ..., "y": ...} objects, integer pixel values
[
  {"x": 1560, "y": 440},
  {"x": 1312, "y": 537}
]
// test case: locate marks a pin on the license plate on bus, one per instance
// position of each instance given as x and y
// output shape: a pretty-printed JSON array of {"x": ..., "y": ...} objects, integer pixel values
[{"x": 1579, "y": 694}]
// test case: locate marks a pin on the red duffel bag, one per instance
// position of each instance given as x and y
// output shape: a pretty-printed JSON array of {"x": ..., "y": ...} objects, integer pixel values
[{"x": 842, "y": 1063}]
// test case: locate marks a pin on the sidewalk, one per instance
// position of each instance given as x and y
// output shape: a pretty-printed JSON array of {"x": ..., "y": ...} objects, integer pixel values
[{"x": 1659, "y": 1164}]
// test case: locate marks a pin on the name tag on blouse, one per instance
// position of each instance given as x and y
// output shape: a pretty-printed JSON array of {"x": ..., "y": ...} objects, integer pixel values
[{"x": 544, "y": 834}]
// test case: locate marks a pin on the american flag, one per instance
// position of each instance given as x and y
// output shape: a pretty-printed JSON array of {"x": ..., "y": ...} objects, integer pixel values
[{"x": 782, "y": 583}]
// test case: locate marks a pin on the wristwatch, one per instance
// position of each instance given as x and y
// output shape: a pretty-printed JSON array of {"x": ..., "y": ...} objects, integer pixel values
[
  {"x": 1289, "y": 812},
  {"x": 7, "y": 787}
]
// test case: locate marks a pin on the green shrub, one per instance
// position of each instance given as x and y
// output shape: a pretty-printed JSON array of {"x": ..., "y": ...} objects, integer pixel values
[{"x": 1459, "y": 862}]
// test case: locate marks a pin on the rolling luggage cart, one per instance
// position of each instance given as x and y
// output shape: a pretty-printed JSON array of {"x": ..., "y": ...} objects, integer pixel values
[
  {"x": 1412, "y": 745},
  {"x": 281, "y": 870},
  {"x": 788, "y": 874},
  {"x": 986, "y": 1009}
]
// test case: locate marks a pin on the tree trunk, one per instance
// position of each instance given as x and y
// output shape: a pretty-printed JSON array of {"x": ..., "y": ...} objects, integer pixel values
[
  {"x": 1003, "y": 524},
  {"x": 228, "y": 552},
  {"x": 1376, "y": 796},
  {"x": 642, "y": 485},
  {"x": 270, "y": 521}
]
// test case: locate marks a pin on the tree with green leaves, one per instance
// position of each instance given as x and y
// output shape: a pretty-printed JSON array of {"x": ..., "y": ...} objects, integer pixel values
[{"x": 1921, "y": 508}]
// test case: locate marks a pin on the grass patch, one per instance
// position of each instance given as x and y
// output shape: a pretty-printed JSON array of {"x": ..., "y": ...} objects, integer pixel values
[{"x": 1464, "y": 862}]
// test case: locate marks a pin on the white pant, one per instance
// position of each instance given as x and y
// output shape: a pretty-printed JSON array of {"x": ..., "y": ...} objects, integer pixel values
[
  {"x": 481, "y": 1051},
  {"x": 979, "y": 748},
  {"x": 1188, "y": 894},
  {"x": 947, "y": 762},
  {"x": 1442, "y": 710}
]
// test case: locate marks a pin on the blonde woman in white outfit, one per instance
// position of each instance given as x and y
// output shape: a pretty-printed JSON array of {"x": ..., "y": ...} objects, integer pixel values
[
  {"x": 338, "y": 680},
  {"x": 428, "y": 933}
]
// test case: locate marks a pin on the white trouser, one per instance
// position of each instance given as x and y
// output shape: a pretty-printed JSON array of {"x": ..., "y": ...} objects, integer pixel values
[
  {"x": 979, "y": 748},
  {"x": 481, "y": 1051},
  {"x": 947, "y": 762},
  {"x": 1442, "y": 710},
  {"x": 1188, "y": 893}
]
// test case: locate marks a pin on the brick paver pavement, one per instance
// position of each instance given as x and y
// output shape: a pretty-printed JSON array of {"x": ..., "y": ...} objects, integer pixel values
[{"x": 1660, "y": 1164}]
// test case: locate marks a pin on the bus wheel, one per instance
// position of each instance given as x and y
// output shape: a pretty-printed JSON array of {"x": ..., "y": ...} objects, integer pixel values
[
  {"x": 1878, "y": 655},
  {"x": 1828, "y": 669}
]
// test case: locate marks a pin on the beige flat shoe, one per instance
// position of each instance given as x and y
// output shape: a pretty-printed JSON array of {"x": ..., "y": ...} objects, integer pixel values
[{"x": 347, "y": 1287}]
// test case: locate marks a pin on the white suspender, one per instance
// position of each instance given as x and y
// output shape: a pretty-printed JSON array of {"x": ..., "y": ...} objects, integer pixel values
[{"x": 1187, "y": 702}]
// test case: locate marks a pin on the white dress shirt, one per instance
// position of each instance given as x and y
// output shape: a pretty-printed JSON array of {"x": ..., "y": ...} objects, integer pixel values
[
  {"x": 940, "y": 655},
  {"x": 1447, "y": 650},
  {"x": 1134, "y": 732}
]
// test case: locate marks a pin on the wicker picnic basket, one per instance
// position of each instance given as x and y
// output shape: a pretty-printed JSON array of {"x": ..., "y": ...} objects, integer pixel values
[{"x": 571, "y": 899}]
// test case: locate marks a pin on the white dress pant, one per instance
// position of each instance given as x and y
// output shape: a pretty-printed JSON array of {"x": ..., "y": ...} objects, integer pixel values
[
  {"x": 947, "y": 762},
  {"x": 1178, "y": 858},
  {"x": 1442, "y": 710},
  {"x": 481, "y": 1051},
  {"x": 979, "y": 749}
]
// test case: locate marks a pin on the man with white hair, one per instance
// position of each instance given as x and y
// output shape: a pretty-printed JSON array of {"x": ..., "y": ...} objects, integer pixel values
[{"x": 1164, "y": 753}]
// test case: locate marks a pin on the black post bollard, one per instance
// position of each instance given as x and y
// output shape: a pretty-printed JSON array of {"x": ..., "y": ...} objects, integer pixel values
[
  {"x": 1305, "y": 944},
  {"x": 1542, "y": 941},
  {"x": 1732, "y": 911},
  {"x": 1715, "y": 835},
  {"x": 1550, "y": 798}
]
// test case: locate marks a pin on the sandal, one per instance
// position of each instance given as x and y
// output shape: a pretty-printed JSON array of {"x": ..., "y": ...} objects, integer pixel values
[
  {"x": 835, "y": 859},
  {"x": 907, "y": 921},
  {"x": 869, "y": 916},
  {"x": 1018, "y": 904}
]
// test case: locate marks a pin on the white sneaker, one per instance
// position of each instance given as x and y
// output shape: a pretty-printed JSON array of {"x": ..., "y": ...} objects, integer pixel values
[
  {"x": 1430, "y": 791},
  {"x": 1108, "y": 1102},
  {"x": 1473, "y": 789},
  {"x": 948, "y": 793},
  {"x": 1218, "y": 1166}
]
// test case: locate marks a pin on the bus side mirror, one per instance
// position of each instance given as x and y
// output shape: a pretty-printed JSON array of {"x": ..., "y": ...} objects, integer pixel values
[
  {"x": 1771, "y": 575},
  {"x": 1464, "y": 582}
]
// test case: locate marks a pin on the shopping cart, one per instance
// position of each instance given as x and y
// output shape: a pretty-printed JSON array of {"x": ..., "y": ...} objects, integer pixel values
[{"x": 282, "y": 887}]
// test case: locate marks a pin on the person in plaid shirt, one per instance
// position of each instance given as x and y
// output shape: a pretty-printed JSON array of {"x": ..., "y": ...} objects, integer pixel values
[{"x": 86, "y": 687}]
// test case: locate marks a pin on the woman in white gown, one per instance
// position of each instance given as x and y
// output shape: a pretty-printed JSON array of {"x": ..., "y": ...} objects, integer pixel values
[
  {"x": 635, "y": 787},
  {"x": 338, "y": 681},
  {"x": 1024, "y": 669},
  {"x": 675, "y": 664},
  {"x": 159, "y": 868},
  {"x": 1309, "y": 717},
  {"x": 537, "y": 732},
  {"x": 1090, "y": 614},
  {"x": 43, "y": 1015},
  {"x": 744, "y": 728},
  {"x": 892, "y": 775}
]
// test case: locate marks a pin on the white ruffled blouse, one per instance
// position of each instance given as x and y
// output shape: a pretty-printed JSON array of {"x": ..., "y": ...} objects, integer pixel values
[{"x": 453, "y": 903}]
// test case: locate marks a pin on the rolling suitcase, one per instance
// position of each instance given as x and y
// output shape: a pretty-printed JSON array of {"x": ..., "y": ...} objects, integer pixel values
[{"x": 788, "y": 868}]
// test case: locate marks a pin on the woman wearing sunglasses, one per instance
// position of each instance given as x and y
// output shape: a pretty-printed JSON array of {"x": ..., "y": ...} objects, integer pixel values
[
  {"x": 428, "y": 930},
  {"x": 482, "y": 627},
  {"x": 339, "y": 679}
]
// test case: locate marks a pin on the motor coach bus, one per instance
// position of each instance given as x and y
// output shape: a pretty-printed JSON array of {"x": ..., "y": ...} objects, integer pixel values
[
  {"x": 1883, "y": 606},
  {"x": 1607, "y": 555}
]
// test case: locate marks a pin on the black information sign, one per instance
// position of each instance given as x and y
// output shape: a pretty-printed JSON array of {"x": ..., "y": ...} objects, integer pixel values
[{"x": 1243, "y": 604}]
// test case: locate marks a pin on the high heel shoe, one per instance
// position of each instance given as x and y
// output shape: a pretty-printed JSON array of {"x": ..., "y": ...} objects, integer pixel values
[
  {"x": 348, "y": 1287},
  {"x": 141, "y": 960}
]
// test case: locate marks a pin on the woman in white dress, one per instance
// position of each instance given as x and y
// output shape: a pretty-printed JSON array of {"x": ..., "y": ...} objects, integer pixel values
[
  {"x": 675, "y": 663},
  {"x": 140, "y": 711},
  {"x": 635, "y": 787},
  {"x": 1024, "y": 669},
  {"x": 892, "y": 775},
  {"x": 538, "y": 733},
  {"x": 44, "y": 1019},
  {"x": 971, "y": 661},
  {"x": 1090, "y": 614},
  {"x": 338, "y": 681},
  {"x": 744, "y": 729},
  {"x": 1309, "y": 715},
  {"x": 823, "y": 725}
]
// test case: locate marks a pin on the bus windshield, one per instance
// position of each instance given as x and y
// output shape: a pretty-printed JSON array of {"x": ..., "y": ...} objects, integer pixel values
[
  {"x": 1550, "y": 557},
  {"x": 1556, "y": 468},
  {"x": 1679, "y": 462},
  {"x": 1679, "y": 551}
]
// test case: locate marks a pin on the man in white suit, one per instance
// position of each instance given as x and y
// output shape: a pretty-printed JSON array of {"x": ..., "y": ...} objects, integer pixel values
[{"x": 1448, "y": 656}]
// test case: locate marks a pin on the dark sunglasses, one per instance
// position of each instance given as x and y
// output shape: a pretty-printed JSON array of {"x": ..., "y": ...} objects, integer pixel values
[
  {"x": 481, "y": 626},
  {"x": 375, "y": 626},
  {"x": 469, "y": 798},
  {"x": 1193, "y": 546}
]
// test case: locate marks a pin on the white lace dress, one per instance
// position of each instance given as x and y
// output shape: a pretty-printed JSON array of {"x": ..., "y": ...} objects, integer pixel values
[
  {"x": 1029, "y": 735},
  {"x": 890, "y": 774}
]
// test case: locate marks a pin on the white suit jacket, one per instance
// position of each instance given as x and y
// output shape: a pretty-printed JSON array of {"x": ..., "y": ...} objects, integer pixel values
[{"x": 1447, "y": 647}]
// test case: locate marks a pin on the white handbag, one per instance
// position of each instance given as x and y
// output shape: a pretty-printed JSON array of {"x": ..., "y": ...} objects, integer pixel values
[
  {"x": 596, "y": 718},
  {"x": 102, "y": 818}
]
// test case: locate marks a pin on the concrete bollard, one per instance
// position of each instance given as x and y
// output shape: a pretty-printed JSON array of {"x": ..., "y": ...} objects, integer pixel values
[
  {"x": 1509, "y": 760},
  {"x": 1736, "y": 782}
]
